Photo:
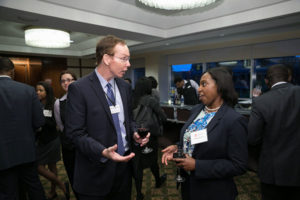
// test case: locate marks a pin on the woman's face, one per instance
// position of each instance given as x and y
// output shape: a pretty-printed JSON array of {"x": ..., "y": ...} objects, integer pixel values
[
  {"x": 208, "y": 91},
  {"x": 41, "y": 92},
  {"x": 65, "y": 81}
]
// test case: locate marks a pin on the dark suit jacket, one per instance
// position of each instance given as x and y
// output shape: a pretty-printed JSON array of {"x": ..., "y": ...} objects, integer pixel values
[
  {"x": 90, "y": 127},
  {"x": 274, "y": 123},
  {"x": 20, "y": 114},
  {"x": 221, "y": 158}
]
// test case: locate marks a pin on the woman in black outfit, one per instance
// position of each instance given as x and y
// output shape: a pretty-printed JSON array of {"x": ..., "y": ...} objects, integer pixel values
[
  {"x": 48, "y": 143},
  {"x": 142, "y": 95},
  {"x": 68, "y": 151}
]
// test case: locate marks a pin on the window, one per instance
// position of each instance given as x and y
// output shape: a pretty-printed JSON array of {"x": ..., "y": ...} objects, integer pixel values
[{"x": 240, "y": 70}]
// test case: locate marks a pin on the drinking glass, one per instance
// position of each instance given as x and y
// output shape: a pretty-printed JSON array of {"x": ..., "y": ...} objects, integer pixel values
[
  {"x": 143, "y": 131},
  {"x": 179, "y": 154}
]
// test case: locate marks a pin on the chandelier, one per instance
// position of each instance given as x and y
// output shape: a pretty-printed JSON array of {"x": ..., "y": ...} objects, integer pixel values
[
  {"x": 47, "y": 38},
  {"x": 176, "y": 4}
]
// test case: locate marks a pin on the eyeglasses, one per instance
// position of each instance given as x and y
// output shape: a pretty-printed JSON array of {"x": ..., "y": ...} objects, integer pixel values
[
  {"x": 122, "y": 59},
  {"x": 68, "y": 80}
]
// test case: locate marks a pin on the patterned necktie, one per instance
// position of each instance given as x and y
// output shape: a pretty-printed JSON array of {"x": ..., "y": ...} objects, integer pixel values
[{"x": 112, "y": 102}]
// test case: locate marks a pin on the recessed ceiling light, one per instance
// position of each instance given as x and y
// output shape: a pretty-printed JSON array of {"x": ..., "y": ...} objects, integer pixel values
[{"x": 47, "y": 38}]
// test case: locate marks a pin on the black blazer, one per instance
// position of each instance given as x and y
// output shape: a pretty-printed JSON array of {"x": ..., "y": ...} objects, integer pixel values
[
  {"x": 90, "y": 127},
  {"x": 221, "y": 158},
  {"x": 274, "y": 123},
  {"x": 20, "y": 114}
]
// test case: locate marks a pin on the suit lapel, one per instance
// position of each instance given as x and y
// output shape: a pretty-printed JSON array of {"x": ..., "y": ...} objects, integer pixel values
[
  {"x": 96, "y": 85},
  {"x": 215, "y": 120},
  {"x": 212, "y": 124},
  {"x": 123, "y": 94},
  {"x": 195, "y": 113},
  {"x": 122, "y": 91}
]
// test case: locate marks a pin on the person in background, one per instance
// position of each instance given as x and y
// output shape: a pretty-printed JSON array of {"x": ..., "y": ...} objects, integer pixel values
[
  {"x": 20, "y": 115},
  {"x": 274, "y": 124},
  {"x": 99, "y": 124},
  {"x": 68, "y": 151},
  {"x": 214, "y": 140},
  {"x": 189, "y": 90},
  {"x": 128, "y": 80},
  {"x": 142, "y": 96},
  {"x": 155, "y": 92},
  {"x": 48, "y": 143}
]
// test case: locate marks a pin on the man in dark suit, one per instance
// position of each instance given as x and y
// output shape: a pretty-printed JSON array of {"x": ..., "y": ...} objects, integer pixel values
[
  {"x": 99, "y": 123},
  {"x": 274, "y": 123},
  {"x": 20, "y": 114}
]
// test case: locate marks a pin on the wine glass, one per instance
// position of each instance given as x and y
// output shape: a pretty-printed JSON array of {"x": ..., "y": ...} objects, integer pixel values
[
  {"x": 143, "y": 131},
  {"x": 179, "y": 154}
]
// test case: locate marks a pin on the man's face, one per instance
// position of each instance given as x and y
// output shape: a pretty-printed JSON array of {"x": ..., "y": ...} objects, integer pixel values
[
  {"x": 179, "y": 84},
  {"x": 119, "y": 61}
]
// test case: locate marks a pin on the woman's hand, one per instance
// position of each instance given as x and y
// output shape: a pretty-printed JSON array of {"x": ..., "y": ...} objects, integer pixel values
[
  {"x": 188, "y": 163},
  {"x": 168, "y": 153},
  {"x": 140, "y": 140}
]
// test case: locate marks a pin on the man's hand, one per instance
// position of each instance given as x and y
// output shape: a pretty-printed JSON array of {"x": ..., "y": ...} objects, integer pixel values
[
  {"x": 111, "y": 154},
  {"x": 141, "y": 141},
  {"x": 188, "y": 163},
  {"x": 168, "y": 153}
]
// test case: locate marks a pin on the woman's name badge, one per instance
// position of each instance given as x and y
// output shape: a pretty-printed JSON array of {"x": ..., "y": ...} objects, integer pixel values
[
  {"x": 199, "y": 137},
  {"x": 114, "y": 109},
  {"x": 47, "y": 113}
]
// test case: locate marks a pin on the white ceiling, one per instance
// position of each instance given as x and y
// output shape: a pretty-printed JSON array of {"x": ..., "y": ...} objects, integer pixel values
[{"x": 145, "y": 29}]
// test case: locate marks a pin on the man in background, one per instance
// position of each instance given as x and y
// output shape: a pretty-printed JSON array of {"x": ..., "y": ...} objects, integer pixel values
[
  {"x": 189, "y": 90},
  {"x": 20, "y": 115},
  {"x": 274, "y": 124}
]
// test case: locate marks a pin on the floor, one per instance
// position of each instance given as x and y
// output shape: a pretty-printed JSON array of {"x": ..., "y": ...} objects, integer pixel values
[{"x": 247, "y": 184}]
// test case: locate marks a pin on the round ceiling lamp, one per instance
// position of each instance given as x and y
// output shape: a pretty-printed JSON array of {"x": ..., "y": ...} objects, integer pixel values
[
  {"x": 47, "y": 38},
  {"x": 176, "y": 4}
]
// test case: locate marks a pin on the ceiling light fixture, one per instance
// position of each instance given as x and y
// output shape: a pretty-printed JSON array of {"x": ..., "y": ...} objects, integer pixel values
[
  {"x": 176, "y": 4},
  {"x": 47, "y": 38}
]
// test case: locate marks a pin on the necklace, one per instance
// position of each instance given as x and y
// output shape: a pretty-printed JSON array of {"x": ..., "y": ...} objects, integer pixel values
[{"x": 211, "y": 109}]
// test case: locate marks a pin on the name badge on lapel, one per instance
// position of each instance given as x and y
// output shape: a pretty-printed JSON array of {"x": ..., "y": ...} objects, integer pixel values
[
  {"x": 199, "y": 136},
  {"x": 114, "y": 109},
  {"x": 47, "y": 113}
]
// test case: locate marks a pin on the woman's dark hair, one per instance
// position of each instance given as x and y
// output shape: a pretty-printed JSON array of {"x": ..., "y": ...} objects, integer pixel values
[
  {"x": 128, "y": 79},
  {"x": 49, "y": 95},
  {"x": 153, "y": 81},
  {"x": 142, "y": 87},
  {"x": 67, "y": 72},
  {"x": 225, "y": 85}
]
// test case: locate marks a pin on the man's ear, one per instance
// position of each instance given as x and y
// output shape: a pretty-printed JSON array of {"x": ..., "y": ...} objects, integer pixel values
[
  {"x": 106, "y": 59},
  {"x": 12, "y": 72}
]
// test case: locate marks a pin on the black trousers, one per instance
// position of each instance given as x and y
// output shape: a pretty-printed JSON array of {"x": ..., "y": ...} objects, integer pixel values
[
  {"x": 139, "y": 177},
  {"x": 68, "y": 155},
  {"x": 121, "y": 189},
  {"x": 26, "y": 176},
  {"x": 275, "y": 192}
]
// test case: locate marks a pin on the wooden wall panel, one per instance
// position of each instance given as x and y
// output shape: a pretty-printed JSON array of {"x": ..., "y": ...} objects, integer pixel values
[
  {"x": 52, "y": 67},
  {"x": 21, "y": 73}
]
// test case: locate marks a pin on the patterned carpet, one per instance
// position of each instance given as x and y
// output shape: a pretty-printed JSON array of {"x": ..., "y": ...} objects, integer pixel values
[{"x": 248, "y": 185}]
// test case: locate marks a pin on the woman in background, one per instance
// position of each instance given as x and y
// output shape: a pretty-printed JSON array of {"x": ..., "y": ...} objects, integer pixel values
[
  {"x": 68, "y": 152},
  {"x": 154, "y": 84},
  {"x": 214, "y": 140},
  {"x": 48, "y": 144},
  {"x": 142, "y": 95}
]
